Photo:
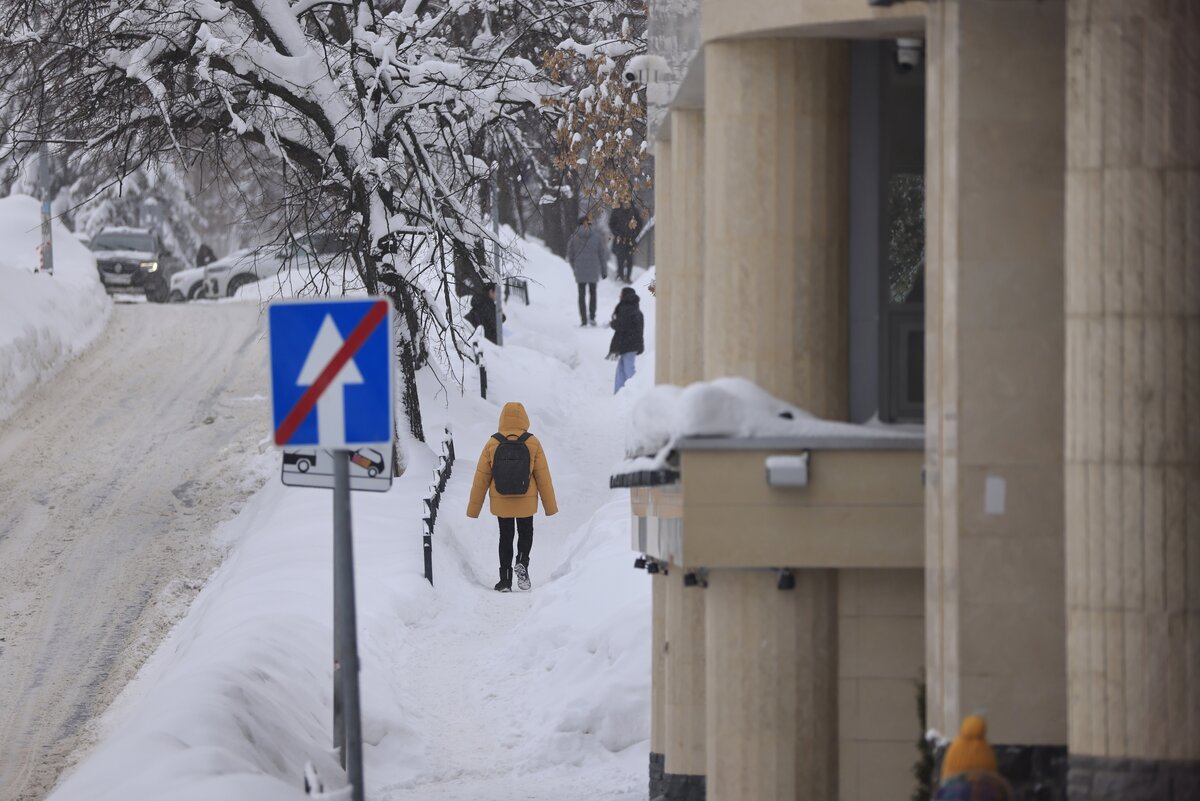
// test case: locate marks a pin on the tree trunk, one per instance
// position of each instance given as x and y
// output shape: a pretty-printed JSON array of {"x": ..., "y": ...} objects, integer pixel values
[
  {"x": 410, "y": 400},
  {"x": 559, "y": 221},
  {"x": 410, "y": 351}
]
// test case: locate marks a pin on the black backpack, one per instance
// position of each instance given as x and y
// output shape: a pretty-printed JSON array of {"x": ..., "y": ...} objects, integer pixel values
[{"x": 510, "y": 465}]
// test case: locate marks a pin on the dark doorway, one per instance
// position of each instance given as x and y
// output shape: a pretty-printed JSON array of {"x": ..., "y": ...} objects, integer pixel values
[{"x": 887, "y": 234}]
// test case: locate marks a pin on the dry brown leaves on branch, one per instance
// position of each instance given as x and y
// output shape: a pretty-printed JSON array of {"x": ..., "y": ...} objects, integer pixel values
[{"x": 601, "y": 134}]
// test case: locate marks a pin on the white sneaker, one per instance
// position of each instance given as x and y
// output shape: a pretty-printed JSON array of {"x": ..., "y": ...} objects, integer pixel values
[{"x": 522, "y": 577}]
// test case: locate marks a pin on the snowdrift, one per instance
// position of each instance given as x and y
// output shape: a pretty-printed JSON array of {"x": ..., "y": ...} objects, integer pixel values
[
  {"x": 730, "y": 407},
  {"x": 45, "y": 321}
]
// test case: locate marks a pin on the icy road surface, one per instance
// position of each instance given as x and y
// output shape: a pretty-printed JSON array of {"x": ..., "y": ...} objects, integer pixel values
[{"x": 112, "y": 479}]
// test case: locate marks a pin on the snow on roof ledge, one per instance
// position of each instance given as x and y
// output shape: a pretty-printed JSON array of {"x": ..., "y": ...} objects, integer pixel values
[{"x": 734, "y": 413}]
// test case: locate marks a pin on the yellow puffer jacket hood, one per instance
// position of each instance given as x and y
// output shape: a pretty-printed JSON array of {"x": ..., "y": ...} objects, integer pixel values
[
  {"x": 513, "y": 423},
  {"x": 513, "y": 420}
]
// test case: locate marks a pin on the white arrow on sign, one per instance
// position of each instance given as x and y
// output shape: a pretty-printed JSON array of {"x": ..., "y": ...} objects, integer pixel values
[{"x": 331, "y": 408}]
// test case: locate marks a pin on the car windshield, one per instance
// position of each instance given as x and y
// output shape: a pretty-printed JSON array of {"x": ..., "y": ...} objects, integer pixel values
[{"x": 124, "y": 241}]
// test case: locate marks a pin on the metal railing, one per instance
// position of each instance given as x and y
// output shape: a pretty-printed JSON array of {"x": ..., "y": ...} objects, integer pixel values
[
  {"x": 434, "y": 500},
  {"x": 518, "y": 287}
]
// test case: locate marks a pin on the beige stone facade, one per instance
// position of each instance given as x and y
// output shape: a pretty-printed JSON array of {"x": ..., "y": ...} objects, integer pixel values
[
  {"x": 994, "y": 367},
  {"x": 881, "y": 638},
  {"x": 775, "y": 173},
  {"x": 687, "y": 283},
  {"x": 1035, "y": 554},
  {"x": 1133, "y": 380}
]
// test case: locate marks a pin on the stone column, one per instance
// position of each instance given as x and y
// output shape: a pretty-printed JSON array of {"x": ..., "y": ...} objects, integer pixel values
[
  {"x": 775, "y": 307},
  {"x": 995, "y": 628},
  {"x": 776, "y": 192},
  {"x": 658, "y": 682},
  {"x": 772, "y": 719},
  {"x": 665, "y": 261},
  {"x": 687, "y": 283},
  {"x": 1133, "y": 399},
  {"x": 685, "y": 752}
]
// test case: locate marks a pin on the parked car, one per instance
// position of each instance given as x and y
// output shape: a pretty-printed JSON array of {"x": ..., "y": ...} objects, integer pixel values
[
  {"x": 224, "y": 277},
  {"x": 134, "y": 260},
  {"x": 312, "y": 252},
  {"x": 187, "y": 285}
]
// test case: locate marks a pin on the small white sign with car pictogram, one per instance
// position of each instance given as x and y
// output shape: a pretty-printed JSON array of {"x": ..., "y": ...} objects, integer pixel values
[{"x": 370, "y": 470}]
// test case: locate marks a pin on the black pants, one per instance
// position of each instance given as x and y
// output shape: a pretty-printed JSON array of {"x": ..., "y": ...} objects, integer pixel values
[
  {"x": 624, "y": 264},
  {"x": 524, "y": 530},
  {"x": 587, "y": 311}
]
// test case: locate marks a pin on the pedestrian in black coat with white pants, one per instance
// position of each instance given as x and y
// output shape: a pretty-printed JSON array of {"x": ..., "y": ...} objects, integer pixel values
[{"x": 628, "y": 340}]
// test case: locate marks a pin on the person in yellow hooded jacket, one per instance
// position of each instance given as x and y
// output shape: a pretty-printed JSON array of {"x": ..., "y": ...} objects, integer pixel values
[{"x": 513, "y": 484}]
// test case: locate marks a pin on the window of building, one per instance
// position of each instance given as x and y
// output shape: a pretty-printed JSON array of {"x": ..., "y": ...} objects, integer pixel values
[{"x": 887, "y": 236}]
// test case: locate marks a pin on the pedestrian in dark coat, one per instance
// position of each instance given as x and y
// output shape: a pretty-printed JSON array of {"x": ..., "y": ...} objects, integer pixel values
[
  {"x": 628, "y": 340},
  {"x": 483, "y": 311},
  {"x": 626, "y": 224},
  {"x": 587, "y": 253},
  {"x": 205, "y": 256}
]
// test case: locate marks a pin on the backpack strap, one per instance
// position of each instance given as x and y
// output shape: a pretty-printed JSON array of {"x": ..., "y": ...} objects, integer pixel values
[
  {"x": 524, "y": 437},
  {"x": 499, "y": 437}
]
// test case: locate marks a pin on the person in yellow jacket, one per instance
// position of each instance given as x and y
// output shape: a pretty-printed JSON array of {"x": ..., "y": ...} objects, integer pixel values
[{"x": 513, "y": 471}]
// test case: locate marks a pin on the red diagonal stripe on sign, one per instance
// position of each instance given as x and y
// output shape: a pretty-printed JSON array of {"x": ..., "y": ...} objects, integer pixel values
[{"x": 366, "y": 326}]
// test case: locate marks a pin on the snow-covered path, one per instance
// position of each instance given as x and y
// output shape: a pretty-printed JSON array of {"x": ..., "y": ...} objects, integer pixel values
[
  {"x": 503, "y": 709},
  {"x": 102, "y": 552}
]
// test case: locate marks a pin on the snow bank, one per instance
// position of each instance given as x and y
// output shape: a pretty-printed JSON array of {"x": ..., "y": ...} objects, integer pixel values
[
  {"x": 238, "y": 698},
  {"x": 588, "y": 641},
  {"x": 45, "y": 321}
]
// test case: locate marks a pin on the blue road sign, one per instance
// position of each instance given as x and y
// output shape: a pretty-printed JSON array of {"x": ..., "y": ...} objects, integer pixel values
[{"x": 331, "y": 373}]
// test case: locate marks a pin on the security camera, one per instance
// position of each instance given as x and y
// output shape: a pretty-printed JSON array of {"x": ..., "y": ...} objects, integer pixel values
[
  {"x": 787, "y": 580},
  {"x": 908, "y": 55},
  {"x": 646, "y": 69}
]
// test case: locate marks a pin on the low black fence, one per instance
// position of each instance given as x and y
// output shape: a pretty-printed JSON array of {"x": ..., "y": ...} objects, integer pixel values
[
  {"x": 518, "y": 287},
  {"x": 434, "y": 500}
]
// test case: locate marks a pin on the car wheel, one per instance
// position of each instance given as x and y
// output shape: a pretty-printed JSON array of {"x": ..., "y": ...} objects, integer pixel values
[
  {"x": 303, "y": 465},
  {"x": 372, "y": 472},
  {"x": 176, "y": 297},
  {"x": 237, "y": 282},
  {"x": 197, "y": 291},
  {"x": 156, "y": 289}
]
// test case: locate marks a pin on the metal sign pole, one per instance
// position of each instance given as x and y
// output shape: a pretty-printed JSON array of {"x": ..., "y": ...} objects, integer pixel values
[
  {"x": 345, "y": 623},
  {"x": 317, "y": 348},
  {"x": 496, "y": 259},
  {"x": 339, "y": 721}
]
